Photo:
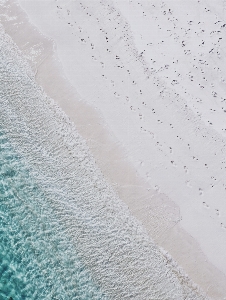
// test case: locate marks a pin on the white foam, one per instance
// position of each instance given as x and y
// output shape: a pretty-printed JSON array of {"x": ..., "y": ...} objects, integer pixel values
[{"x": 110, "y": 241}]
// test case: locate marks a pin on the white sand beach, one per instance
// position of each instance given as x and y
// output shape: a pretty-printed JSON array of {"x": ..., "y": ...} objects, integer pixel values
[{"x": 144, "y": 84}]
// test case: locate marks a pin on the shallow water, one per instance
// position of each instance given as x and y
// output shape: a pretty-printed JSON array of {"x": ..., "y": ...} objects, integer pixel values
[{"x": 36, "y": 259}]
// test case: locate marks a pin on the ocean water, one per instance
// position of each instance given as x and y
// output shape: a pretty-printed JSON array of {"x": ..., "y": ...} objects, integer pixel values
[
  {"x": 64, "y": 233},
  {"x": 36, "y": 259}
]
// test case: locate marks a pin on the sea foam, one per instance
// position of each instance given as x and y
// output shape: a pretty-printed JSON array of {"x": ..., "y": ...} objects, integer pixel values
[{"x": 65, "y": 233}]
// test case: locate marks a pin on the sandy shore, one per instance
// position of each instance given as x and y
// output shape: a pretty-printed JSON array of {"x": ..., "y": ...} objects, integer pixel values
[{"x": 148, "y": 165}]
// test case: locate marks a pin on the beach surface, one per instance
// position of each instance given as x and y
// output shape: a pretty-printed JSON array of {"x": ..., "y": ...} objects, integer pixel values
[{"x": 143, "y": 82}]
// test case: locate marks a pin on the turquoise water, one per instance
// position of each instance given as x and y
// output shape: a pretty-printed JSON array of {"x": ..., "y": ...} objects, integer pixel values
[{"x": 36, "y": 260}]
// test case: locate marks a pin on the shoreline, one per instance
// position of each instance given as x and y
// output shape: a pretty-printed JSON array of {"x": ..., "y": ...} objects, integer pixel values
[
  {"x": 102, "y": 145},
  {"x": 110, "y": 241}
]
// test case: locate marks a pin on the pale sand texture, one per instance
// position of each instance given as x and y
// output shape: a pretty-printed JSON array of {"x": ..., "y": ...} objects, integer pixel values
[{"x": 113, "y": 159}]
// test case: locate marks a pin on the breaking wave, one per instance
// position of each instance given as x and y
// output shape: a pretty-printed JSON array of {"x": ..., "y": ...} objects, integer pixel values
[{"x": 64, "y": 232}]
